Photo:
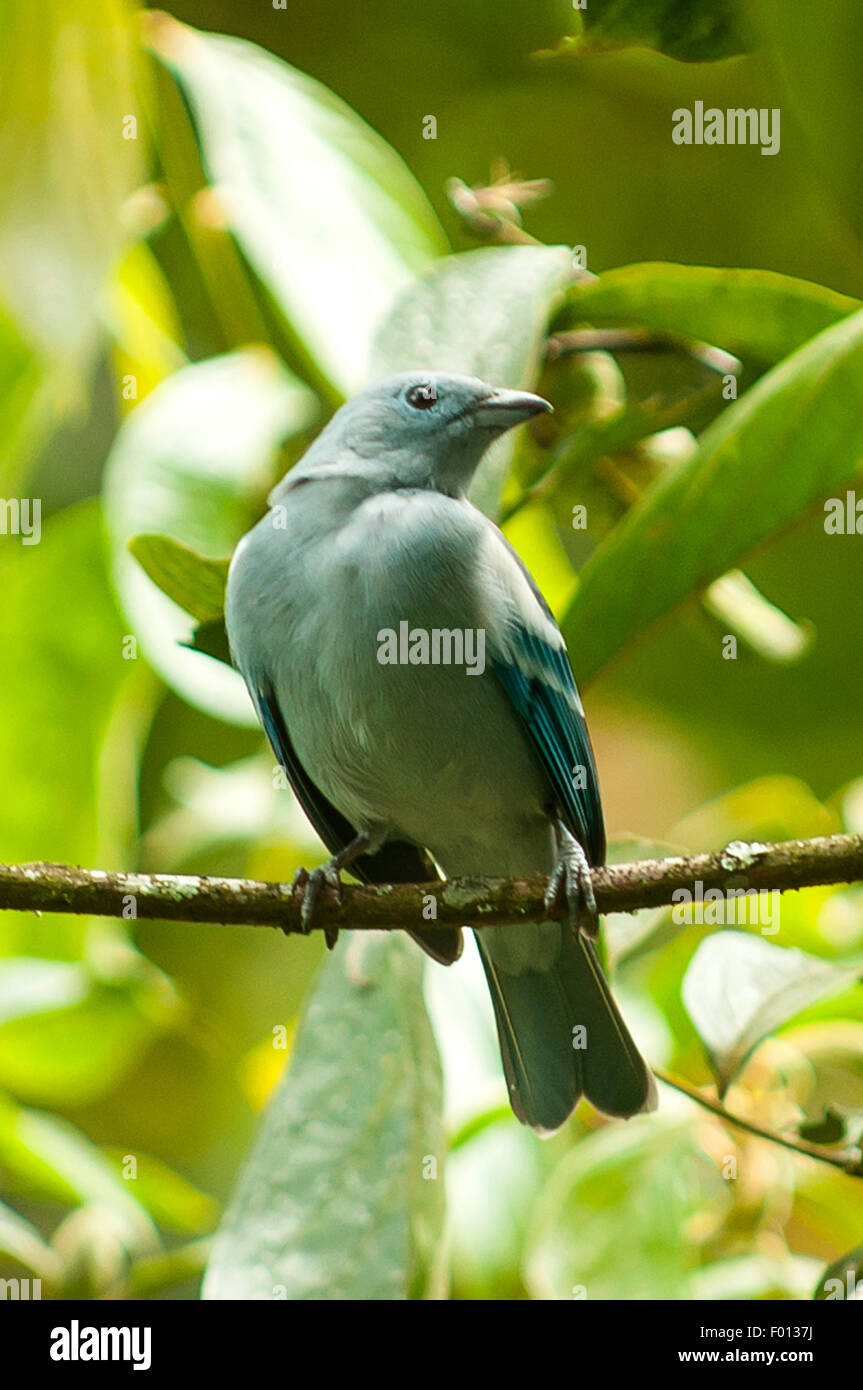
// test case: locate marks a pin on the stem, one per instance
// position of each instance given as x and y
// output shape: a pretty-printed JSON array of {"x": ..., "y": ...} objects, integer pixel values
[
  {"x": 848, "y": 1161},
  {"x": 641, "y": 340}
]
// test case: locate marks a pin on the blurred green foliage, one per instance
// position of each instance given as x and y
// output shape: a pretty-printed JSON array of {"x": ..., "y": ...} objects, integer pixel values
[{"x": 203, "y": 250}]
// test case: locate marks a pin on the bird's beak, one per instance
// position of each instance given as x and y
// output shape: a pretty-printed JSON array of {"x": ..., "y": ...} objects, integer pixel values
[{"x": 503, "y": 409}]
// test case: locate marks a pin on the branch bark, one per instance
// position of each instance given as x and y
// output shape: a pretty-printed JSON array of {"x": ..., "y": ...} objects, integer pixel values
[{"x": 790, "y": 865}]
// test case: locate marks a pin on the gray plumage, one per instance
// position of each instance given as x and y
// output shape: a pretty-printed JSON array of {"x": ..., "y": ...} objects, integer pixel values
[{"x": 372, "y": 529}]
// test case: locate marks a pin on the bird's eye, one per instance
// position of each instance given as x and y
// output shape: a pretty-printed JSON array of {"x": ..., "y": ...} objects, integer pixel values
[{"x": 422, "y": 397}]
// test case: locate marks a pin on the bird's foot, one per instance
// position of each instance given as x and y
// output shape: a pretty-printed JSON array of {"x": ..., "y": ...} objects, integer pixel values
[
  {"x": 571, "y": 874},
  {"x": 308, "y": 886}
]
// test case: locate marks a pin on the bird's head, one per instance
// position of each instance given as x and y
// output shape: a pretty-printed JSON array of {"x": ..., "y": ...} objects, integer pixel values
[{"x": 419, "y": 429}]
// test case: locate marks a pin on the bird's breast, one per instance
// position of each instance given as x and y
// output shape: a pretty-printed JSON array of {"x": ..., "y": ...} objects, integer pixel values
[{"x": 373, "y": 639}]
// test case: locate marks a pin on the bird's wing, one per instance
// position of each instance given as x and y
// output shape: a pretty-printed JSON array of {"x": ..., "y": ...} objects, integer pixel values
[
  {"x": 530, "y": 661},
  {"x": 395, "y": 862}
]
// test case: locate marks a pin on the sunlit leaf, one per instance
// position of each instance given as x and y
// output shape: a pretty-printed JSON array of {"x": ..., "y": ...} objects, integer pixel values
[
  {"x": 326, "y": 212},
  {"x": 68, "y": 86},
  {"x": 153, "y": 1275},
  {"x": 195, "y": 583},
  {"x": 194, "y": 462},
  {"x": 338, "y": 1200},
  {"x": 142, "y": 318},
  {"x": 532, "y": 531},
  {"x": 740, "y": 988},
  {"x": 31, "y": 986},
  {"x": 775, "y": 807},
  {"x": 169, "y": 1198}
]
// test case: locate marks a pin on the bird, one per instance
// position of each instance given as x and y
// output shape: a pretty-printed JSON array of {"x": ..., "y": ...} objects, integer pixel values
[{"x": 416, "y": 689}]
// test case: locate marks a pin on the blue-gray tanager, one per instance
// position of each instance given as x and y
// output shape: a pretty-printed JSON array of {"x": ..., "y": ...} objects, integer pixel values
[{"x": 416, "y": 689}]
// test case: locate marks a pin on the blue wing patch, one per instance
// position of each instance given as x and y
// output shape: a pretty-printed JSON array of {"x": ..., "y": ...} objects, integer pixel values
[{"x": 539, "y": 682}]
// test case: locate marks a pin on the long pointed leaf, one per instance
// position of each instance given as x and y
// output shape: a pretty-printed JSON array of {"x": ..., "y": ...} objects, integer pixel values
[{"x": 342, "y": 1197}]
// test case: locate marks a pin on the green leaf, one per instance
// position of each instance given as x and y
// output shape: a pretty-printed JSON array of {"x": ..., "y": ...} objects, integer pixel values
[
  {"x": 142, "y": 318},
  {"x": 792, "y": 439},
  {"x": 618, "y": 1218},
  {"x": 65, "y": 167},
  {"x": 67, "y": 1036},
  {"x": 817, "y": 58},
  {"x": 325, "y": 211},
  {"x": 337, "y": 1200},
  {"x": 33, "y": 396},
  {"x": 195, "y": 583},
  {"x": 194, "y": 462},
  {"x": 169, "y": 1198},
  {"x": 64, "y": 679},
  {"x": 739, "y": 988},
  {"x": 23, "y": 1242},
  {"x": 153, "y": 1276},
  {"x": 47, "y": 1157},
  {"x": 769, "y": 808},
  {"x": 484, "y": 313},
  {"x": 68, "y": 82},
  {"x": 748, "y": 312}
]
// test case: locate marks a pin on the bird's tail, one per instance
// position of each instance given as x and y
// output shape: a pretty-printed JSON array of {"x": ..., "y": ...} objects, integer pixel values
[{"x": 561, "y": 1034}]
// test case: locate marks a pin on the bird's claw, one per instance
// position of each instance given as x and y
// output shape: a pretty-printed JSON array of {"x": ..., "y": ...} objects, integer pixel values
[
  {"x": 307, "y": 886},
  {"x": 571, "y": 874}
]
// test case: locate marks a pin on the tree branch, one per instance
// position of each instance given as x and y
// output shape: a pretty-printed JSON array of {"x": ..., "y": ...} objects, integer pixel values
[
  {"x": 790, "y": 865},
  {"x": 641, "y": 340},
  {"x": 646, "y": 883}
]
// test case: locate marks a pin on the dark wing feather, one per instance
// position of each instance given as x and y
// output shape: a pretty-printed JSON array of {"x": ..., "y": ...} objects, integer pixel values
[{"x": 544, "y": 694}]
